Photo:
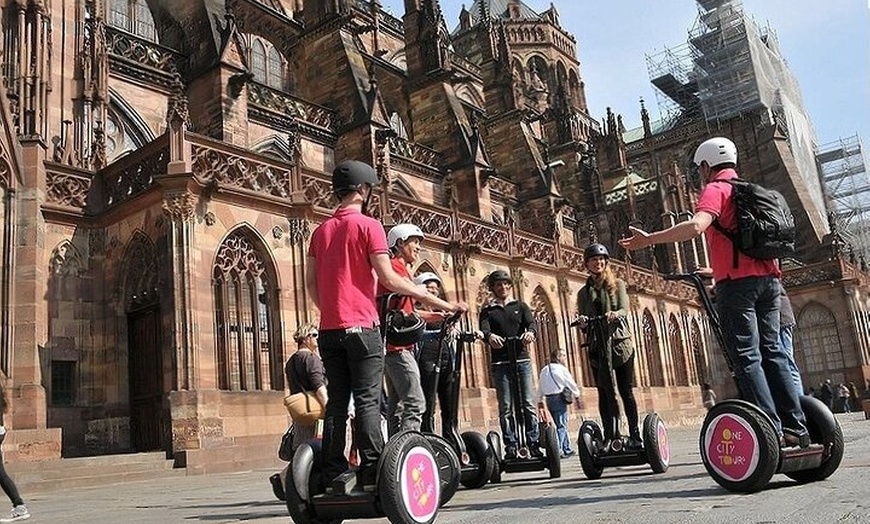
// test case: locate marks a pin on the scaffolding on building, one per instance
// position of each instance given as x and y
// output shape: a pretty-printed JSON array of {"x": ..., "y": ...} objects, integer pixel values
[
  {"x": 847, "y": 187},
  {"x": 731, "y": 66}
]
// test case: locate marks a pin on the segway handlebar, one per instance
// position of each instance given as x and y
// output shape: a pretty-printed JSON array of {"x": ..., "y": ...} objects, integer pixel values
[{"x": 589, "y": 320}]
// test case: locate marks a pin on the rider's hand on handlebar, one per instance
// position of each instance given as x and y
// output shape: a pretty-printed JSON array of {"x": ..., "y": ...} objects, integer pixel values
[
  {"x": 582, "y": 320},
  {"x": 458, "y": 307},
  {"x": 611, "y": 316},
  {"x": 496, "y": 341},
  {"x": 704, "y": 272},
  {"x": 528, "y": 337}
]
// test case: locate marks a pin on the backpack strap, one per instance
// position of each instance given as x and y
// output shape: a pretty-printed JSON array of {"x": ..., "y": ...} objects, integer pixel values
[{"x": 730, "y": 235}]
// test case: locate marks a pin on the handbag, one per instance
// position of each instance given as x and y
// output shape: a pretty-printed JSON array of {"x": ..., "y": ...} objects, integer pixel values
[
  {"x": 285, "y": 450},
  {"x": 304, "y": 407},
  {"x": 566, "y": 394}
]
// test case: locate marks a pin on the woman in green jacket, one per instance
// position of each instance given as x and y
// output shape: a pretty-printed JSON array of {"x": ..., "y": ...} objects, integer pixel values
[{"x": 605, "y": 295}]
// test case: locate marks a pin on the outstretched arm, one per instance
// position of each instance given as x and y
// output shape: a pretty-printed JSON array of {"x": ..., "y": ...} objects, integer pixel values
[{"x": 677, "y": 233}]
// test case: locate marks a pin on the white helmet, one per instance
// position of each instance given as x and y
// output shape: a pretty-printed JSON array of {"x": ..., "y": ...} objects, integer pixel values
[
  {"x": 428, "y": 276},
  {"x": 403, "y": 232},
  {"x": 715, "y": 151}
]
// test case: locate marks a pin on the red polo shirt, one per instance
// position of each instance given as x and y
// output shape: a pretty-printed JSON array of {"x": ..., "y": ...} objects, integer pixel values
[
  {"x": 404, "y": 303},
  {"x": 341, "y": 247},
  {"x": 716, "y": 199}
]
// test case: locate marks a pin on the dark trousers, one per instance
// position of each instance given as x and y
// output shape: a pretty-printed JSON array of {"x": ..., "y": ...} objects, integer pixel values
[
  {"x": 354, "y": 364},
  {"x": 438, "y": 385},
  {"x": 608, "y": 407},
  {"x": 6, "y": 483}
]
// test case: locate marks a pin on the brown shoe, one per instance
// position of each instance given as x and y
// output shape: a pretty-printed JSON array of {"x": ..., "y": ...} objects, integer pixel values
[{"x": 790, "y": 440}]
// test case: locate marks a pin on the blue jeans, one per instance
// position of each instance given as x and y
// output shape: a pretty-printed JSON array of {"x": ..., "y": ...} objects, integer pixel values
[
  {"x": 559, "y": 411},
  {"x": 786, "y": 340},
  {"x": 501, "y": 377},
  {"x": 748, "y": 310}
]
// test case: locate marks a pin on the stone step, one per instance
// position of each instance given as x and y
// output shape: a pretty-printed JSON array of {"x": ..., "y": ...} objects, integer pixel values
[{"x": 46, "y": 475}]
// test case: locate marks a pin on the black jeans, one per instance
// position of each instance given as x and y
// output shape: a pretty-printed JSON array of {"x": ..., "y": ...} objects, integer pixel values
[
  {"x": 6, "y": 483},
  {"x": 608, "y": 406},
  {"x": 444, "y": 392},
  {"x": 354, "y": 364}
]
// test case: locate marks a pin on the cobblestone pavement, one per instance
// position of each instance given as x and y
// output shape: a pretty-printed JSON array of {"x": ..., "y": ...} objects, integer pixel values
[{"x": 685, "y": 494}]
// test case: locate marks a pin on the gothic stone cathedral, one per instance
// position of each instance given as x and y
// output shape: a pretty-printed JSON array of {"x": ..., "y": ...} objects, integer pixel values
[{"x": 162, "y": 164}]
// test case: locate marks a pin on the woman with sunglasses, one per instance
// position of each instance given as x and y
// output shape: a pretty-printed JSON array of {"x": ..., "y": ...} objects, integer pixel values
[{"x": 305, "y": 372}]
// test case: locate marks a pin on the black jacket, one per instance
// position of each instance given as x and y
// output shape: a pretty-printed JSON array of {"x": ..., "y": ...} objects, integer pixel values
[{"x": 509, "y": 320}]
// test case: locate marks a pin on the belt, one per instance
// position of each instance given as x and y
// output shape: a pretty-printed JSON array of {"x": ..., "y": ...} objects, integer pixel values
[{"x": 351, "y": 330}]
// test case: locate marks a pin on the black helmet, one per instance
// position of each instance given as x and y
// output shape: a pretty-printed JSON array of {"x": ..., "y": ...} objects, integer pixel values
[
  {"x": 497, "y": 276},
  {"x": 595, "y": 250},
  {"x": 349, "y": 175},
  {"x": 404, "y": 329}
]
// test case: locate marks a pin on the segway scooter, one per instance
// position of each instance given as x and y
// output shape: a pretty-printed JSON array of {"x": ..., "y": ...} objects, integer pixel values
[
  {"x": 596, "y": 453},
  {"x": 476, "y": 458},
  {"x": 739, "y": 445},
  {"x": 549, "y": 441},
  {"x": 408, "y": 486},
  {"x": 445, "y": 456}
]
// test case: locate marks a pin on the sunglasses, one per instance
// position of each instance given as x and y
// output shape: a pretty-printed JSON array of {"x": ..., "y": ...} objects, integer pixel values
[{"x": 312, "y": 335}]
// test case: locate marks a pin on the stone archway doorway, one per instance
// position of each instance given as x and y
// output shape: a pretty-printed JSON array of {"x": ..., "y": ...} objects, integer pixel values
[{"x": 147, "y": 418}]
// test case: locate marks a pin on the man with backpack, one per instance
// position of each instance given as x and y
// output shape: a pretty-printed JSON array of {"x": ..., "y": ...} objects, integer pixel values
[{"x": 747, "y": 219}]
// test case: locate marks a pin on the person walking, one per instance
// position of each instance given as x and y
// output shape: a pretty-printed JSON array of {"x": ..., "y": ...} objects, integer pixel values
[
  {"x": 826, "y": 394},
  {"x": 843, "y": 395},
  {"x": 555, "y": 379},
  {"x": 747, "y": 293},
  {"x": 708, "y": 396},
  {"x": 503, "y": 317},
  {"x": 305, "y": 373},
  {"x": 19, "y": 509},
  {"x": 611, "y": 351},
  {"x": 347, "y": 257}
]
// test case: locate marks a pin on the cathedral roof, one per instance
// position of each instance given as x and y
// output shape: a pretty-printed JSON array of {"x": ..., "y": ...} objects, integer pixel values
[{"x": 498, "y": 10}]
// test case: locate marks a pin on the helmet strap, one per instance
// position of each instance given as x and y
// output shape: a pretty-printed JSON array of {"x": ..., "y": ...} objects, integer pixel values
[{"x": 368, "y": 197}]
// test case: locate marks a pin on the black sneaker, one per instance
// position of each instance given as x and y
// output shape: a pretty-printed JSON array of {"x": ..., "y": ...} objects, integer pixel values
[
  {"x": 510, "y": 453},
  {"x": 367, "y": 478},
  {"x": 535, "y": 450},
  {"x": 277, "y": 486}
]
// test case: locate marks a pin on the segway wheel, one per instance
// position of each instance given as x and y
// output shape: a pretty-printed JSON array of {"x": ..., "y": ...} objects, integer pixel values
[
  {"x": 656, "y": 445},
  {"x": 449, "y": 468},
  {"x": 590, "y": 434},
  {"x": 554, "y": 458},
  {"x": 494, "y": 440},
  {"x": 299, "y": 485},
  {"x": 409, "y": 487},
  {"x": 825, "y": 430},
  {"x": 482, "y": 455},
  {"x": 739, "y": 446}
]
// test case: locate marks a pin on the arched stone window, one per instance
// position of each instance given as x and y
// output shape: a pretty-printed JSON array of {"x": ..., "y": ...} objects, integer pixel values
[
  {"x": 134, "y": 17},
  {"x": 267, "y": 64},
  {"x": 545, "y": 318},
  {"x": 702, "y": 373},
  {"x": 678, "y": 353},
  {"x": 651, "y": 350},
  {"x": 817, "y": 341},
  {"x": 397, "y": 125},
  {"x": 246, "y": 310}
]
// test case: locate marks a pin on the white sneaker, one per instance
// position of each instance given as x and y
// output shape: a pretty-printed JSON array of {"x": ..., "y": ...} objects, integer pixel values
[{"x": 18, "y": 513}]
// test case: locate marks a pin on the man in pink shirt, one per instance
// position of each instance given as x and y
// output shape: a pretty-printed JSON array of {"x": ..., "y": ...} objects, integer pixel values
[
  {"x": 747, "y": 294},
  {"x": 347, "y": 257}
]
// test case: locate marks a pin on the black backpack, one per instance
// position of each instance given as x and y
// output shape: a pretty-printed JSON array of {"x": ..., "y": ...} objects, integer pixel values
[{"x": 765, "y": 225}]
